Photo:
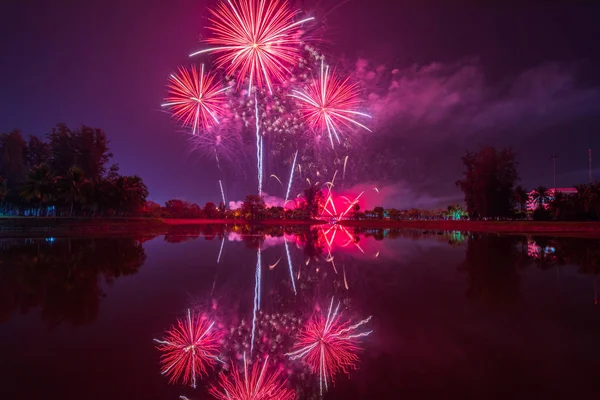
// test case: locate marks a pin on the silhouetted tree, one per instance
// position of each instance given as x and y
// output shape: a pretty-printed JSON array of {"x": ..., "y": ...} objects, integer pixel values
[{"x": 488, "y": 183}]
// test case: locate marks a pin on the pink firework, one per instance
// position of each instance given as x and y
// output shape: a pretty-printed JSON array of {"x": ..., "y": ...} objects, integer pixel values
[
  {"x": 255, "y": 39},
  {"x": 330, "y": 103},
  {"x": 328, "y": 345},
  {"x": 195, "y": 98},
  {"x": 189, "y": 349},
  {"x": 258, "y": 384}
]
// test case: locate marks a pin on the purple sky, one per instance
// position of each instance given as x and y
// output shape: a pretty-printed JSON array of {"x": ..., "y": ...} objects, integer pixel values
[{"x": 438, "y": 80}]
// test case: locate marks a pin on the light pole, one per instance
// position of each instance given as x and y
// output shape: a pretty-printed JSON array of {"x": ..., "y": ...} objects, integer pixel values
[{"x": 554, "y": 156}]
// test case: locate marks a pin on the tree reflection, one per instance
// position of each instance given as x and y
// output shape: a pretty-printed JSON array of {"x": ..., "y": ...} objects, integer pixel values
[
  {"x": 492, "y": 264},
  {"x": 63, "y": 277}
]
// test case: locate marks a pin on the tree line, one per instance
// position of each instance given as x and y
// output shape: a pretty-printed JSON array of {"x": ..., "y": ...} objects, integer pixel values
[
  {"x": 67, "y": 174},
  {"x": 490, "y": 189}
]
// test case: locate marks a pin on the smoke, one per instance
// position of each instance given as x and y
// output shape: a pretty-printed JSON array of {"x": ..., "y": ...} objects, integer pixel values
[
  {"x": 400, "y": 195},
  {"x": 456, "y": 99},
  {"x": 270, "y": 201}
]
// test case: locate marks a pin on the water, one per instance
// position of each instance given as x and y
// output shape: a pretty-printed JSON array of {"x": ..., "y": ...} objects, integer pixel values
[{"x": 453, "y": 315}]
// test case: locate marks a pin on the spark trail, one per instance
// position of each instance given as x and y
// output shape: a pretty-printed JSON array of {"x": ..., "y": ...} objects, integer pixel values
[
  {"x": 287, "y": 193},
  {"x": 258, "y": 40},
  {"x": 329, "y": 346}
]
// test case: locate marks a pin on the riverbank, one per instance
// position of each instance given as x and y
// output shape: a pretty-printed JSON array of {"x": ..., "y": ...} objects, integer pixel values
[
  {"x": 482, "y": 226},
  {"x": 66, "y": 226}
]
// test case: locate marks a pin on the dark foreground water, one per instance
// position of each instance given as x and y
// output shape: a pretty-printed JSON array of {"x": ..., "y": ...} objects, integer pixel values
[{"x": 452, "y": 315}]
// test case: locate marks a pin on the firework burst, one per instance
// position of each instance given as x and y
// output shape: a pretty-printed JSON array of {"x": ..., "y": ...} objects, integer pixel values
[
  {"x": 328, "y": 345},
  {"x": 256, "y": 384},
  {"x": 329, "y": 103},
  {"x": 195, "y": 98},
  {"x": 255, "y": 39},
  {"x": 189, "y": 349}
]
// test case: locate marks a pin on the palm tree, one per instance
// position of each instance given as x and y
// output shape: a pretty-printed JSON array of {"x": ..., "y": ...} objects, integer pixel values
[
  {"x": 130, "y": 193},
  {"x": 40, "y": 186},
  {"x": 540, "y": 196},
  {"x": 72, "y": 187},
  {"x": 521, "y": 197}
]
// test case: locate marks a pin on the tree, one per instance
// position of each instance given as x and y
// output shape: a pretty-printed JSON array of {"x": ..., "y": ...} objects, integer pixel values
[
  {"x": 176, "y": 208},
  {"x": 62, "y": 148},
  {"x": 210, "y": 210},
  {"x": 314, "y": 200},
  {"x": 130, "y": 193},
  {"x": 40, "y": 186},
  {"x": 379, "y": 211},
  {"x": 488, "y": 182},
  {"x": 92, "y": 153},
  {"x": 521, "y": 197},
  {"x": 72, "y": 187},
  {"x": 13, "y": 152},
  {"x": 253, "y": 207},
  {"x": 38, "y": 152},
  {"x": 540, "y": 196}
]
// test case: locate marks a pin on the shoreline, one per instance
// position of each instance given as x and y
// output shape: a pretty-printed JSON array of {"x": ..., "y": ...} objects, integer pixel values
[
  {"x": 517, "y": 227},
  {"x": 77, "y": 226}
]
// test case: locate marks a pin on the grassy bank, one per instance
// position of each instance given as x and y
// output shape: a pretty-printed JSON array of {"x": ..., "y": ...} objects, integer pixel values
[{"x": 484, "y": 226}]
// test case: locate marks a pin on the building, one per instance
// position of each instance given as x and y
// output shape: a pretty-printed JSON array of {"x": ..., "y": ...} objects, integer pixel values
[{"x": 531, "y": 205}]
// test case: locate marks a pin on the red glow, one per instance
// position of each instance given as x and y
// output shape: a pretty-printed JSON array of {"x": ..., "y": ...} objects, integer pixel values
[
  {"x": 258, "y": 384},
  {"x": 189, "y": 349},
  {"x": 328, "y": 346},
  {"x": 330, "y": 103},
  {"x": 255, "y": 39},
  {"x": 195, "y": 98}
]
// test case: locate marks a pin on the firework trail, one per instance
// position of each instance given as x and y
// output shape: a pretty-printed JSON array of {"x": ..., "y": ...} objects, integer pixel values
[
  {"x": 221, "y": 250},
  {"x": 329, "y": 346},
  {"x": 258, "y": 384},
  {"x": 289, "y": 259},
  {"x": 222, "y": 192},
  {"x": 344, "y": 172},
  {"x": 287, "y": 193},
  {"x": 195, "y": 98},
  {"x": 189, "y": 349},
  {"x": 277, "y": 178},
  {"x": 255, "y": 39},
  {"x": 257, "y": 279},
  {"x": 329, "y": 103},
  {"x": 259, "y": 147}
]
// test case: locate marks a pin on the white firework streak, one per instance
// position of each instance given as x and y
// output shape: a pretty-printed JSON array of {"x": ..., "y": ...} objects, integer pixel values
[
  {"x": 287, "y": 193},
  {"x": 221, "y": 250},
  {"x": 344, "y": 334},
  {"x": 259, "y": 154},
  {"x": 257, "y": 279},
  {"x": 222, "y": 192},
  {"x": 289, "y": 258}
]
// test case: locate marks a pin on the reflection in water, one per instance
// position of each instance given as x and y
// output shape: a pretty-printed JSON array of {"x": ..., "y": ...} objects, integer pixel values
[
  {"x": 328, "y": 345},
  {"x": 63, "y": 277},
  {"x": 260, "y": 383},
  {"x": 254, "y": 326},
  {"x": 189, "y": 349}
]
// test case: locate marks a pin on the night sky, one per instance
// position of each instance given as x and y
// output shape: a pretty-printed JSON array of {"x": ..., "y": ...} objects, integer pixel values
[{"x": 438, "y": 80}]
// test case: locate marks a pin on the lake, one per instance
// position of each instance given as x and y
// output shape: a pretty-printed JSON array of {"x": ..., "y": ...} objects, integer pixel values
[{"x": 323, "y": 312}]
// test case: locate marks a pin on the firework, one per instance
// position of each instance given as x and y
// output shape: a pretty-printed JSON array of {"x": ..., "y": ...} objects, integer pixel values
[
  {"x": 189, "y": 349},
  {"x": 287, "y": 193},
  {"x": 329, "y": 104},
  {"x": 256, "y": 307},
  {"x": 289, "y": 259},
  {"x": 255, "y": 39},
  {"x": 222, "y": 192},
  {"x": 195, "y": 98},
  {"x": 256, "y": 384},
  {"x": 328, "y": 345}
]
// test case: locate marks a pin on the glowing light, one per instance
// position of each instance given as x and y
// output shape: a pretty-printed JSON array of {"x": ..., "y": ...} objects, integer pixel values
[
  {"x": 257, "y": 279},
  {"x": 259, "y": 148},
  {"x": 189, "y": 349},
  {"x": 256, "y": 384},
  {"x": 221, "y": 249},
  {"x": 344, "y": 171},
  {"x": 329, "y": 346},
  {"x": 289, "y": 258},
  {"x": 255, "y": 39},
  {"x": 287, "y": 193},
  {"x": 195, "y": 98},
  {"x": 329, "y": 103},
  {"x": 221, "y": 186}
]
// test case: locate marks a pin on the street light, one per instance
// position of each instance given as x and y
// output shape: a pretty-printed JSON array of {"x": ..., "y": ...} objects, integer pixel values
[{"x": 554, "y": 157}]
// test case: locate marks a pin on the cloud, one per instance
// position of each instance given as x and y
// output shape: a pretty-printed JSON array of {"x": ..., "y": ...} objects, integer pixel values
[{"x": 460, "y": 99}]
